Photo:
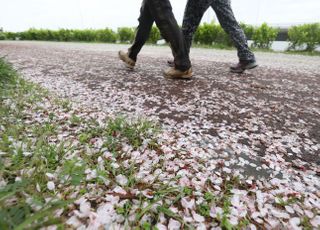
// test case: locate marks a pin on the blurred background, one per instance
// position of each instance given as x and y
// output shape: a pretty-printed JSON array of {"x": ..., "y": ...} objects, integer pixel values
[
  {"x": 276, "y": 25},
  {"x": 20, "y": 15}
]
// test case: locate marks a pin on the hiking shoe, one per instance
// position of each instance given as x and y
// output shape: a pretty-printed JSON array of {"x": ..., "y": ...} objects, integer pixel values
[
  {"x": 242, "y": 66},
  {"x": 174, "y": 73},
  {"x": 170, "y": 63},
  {"x": 127, "y": 61}
]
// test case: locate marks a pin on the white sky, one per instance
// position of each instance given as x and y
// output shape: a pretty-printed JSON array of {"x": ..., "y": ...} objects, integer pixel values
[{"x": 19, "y": 15}]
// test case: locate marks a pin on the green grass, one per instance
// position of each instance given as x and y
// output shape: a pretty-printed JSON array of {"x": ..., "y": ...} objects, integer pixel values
[{"x": 19, "y": 197}]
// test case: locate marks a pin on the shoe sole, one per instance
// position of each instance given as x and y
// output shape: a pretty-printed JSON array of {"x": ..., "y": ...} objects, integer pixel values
[
  {"x": 250, "y": 66},
  {"x": 183, "y": 77}
]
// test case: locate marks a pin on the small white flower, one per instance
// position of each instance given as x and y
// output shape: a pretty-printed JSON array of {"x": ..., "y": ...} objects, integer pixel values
[
  {"x": 50, "y": 175},
  {"x": 235, "y": 201},
  {"x": 215, "y": 211},
  {"x": 106, "y": 213},
  {"x": 309, "y": 214},
  {"x": 161, "y": 226},
  {"x": 107, "y": 155},
  {"x": 174, "y": 225},
  {"x": 85, "y": 208},
  {"x": 135, "y": 154},
  {"x": 184, "y": 181},
  {"x": 112, "y": 199},
  {"x": 51, "y": 186},
  {"x": 289, "y": 209},
  {"x": 122, "y": 180},
  {"x": 148, "y": 193},
  {"x": 187, "y": 204},
  {"x": 279, "y": 214},
  {"x": 234, "y": 220},
  {"x": 38, "y": 187},
  {"x": 26, "y": 154},
  {"x": 218, "y": 181},
  {"x": 119, "y": 190},
  {"x": 315, "y": 222},
  {"x": 294, "y": 223},
  {"x": 74, "y": 222},
  {"x": 201, "y": 226},
  {"x": 115, "y": 165},
  {"x": 197, "y": 217}
]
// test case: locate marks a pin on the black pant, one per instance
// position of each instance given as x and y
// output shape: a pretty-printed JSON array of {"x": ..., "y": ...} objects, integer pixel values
[{"x": 160, "y": 11}]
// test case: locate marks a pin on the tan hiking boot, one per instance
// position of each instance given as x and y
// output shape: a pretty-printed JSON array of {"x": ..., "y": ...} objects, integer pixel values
[
  {"x": 127, "y": 61},
  {"x": 174, "y": 73}
]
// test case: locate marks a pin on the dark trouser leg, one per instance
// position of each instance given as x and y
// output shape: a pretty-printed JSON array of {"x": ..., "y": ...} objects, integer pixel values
[
  {"x": 143, "y": 30},
  {"x": 193, "y": 14},
  {"x": 231, "y": 26},
  {"x": 168, "y": 26}
]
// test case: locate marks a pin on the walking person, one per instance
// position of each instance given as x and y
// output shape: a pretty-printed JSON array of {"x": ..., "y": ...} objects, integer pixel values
[
  {"x": 193, "y": 14},
  {"x": 160, "y": 12}
]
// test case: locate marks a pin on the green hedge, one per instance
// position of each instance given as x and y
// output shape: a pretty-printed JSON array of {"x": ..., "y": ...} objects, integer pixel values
[
  {"x": 248, "y": 30},
  {"x": 123, "y": 34},
  {"x": 88, "y": 35},
  {"x": 210, "y": 34},
  {"x": 305, "y": 36},
  {"x": 154, "y": 35},
  {"x": 264, "y": 36},
  {"x": 2, "y": 36},
  {"x": 126, "y": 34},
  {"x": 213, "y": 34}
]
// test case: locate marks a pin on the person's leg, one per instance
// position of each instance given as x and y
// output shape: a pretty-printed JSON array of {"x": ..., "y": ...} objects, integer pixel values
[
  {"x": 228, "y": 22},
  {"x": 193, "y": 14},
  {"x": 168, "y": 26},
  {"x": 143, "y": 30}
]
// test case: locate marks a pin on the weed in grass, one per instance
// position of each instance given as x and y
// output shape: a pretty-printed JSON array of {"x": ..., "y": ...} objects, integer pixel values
[
  {"x": 134, "y": 132},
  {"x": 125, "y": 209},
  {"x": 146, "y": 226},
  {"x": 204, "y": 210},
  {"x": 18, "y": 212},
  {"x": 243, "y": 224},
  {"x": 51, "y": 116},
  {"x": 75, "y": 120},
  {"x": 209, "y": 197},
  {"x": 282, "y": 203},
  {"x": 305, "y": 223},
  {"x": 225, "y": 223},
  {"x": 84, "y": 138},
  {"x": 73, "y": 172}
]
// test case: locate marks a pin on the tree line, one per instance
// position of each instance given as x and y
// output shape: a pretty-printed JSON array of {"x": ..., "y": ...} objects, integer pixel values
[{"x": 301, "y": 37}]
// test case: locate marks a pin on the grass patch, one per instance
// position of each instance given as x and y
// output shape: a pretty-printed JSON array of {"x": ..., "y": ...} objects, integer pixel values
[
  {"x": 23, "y": 161},
  {"x": 33, "y": 153}
]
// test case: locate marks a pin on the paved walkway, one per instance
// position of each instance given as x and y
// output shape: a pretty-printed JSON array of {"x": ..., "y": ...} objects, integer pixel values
[{"x": 273, "y": 108}]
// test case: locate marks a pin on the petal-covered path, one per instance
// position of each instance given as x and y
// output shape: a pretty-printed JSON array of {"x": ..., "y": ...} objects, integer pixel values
[{"x": 263, "y": 125}]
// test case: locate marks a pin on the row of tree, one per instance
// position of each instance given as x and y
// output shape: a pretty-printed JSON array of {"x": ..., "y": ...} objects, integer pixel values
[{"x": 300, "y": 37}]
